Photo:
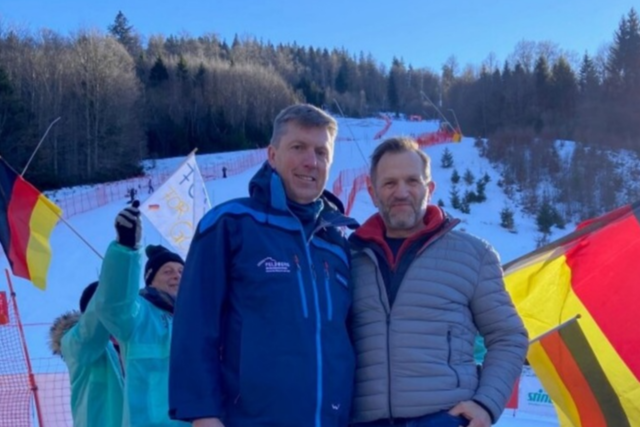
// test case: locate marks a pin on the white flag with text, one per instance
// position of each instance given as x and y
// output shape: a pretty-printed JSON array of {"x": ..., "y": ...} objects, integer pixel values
[{"x": 178, "y": 205}]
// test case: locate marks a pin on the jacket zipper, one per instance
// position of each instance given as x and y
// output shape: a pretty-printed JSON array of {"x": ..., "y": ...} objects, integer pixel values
[
  {"x": 318, "y": 337},
  {"x": 316, "y": 303},
  {"x": 303, "y": 295},
  {"x": 389, "y": 366},
  {"x": 388, "y": 315},
  {"x": 319, "y": 361},
  {"x": 327, "y": 290}
]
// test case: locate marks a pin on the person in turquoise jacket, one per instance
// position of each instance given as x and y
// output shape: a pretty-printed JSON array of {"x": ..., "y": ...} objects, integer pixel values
[
  {"x": 95, "y": 373},
  {"x": 140, "y": 319}
]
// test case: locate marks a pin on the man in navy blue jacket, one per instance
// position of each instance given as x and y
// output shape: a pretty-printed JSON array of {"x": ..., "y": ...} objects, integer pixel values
[{"x": 260, "y": 336}]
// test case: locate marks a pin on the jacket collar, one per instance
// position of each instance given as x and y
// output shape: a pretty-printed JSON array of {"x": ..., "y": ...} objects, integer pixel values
[
  {"x": 267, "y": 187},
  {"x": 60, "y": 326},
  {"x": 373, "y": 231}
]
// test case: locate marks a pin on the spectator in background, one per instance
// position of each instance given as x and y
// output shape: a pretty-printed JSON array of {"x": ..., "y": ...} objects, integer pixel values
[
  {"x": 140, "y": 319},
  {"x": 224, "y": 171},
  {"x": 132, "y": 194},
  {"x": 95, "y": 372},
  {"x": 260, "y": 334},
  {"x": 422, "y": 291}
]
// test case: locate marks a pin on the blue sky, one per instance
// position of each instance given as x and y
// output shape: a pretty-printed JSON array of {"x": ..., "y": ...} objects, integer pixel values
[{"x": 424, "y": 33}]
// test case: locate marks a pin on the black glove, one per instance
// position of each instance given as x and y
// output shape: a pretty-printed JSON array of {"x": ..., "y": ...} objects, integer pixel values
[{"x": 129, "y": 226}]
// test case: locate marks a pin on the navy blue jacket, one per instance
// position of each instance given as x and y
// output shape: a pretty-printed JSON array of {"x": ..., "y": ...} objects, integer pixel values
[{"x": 260, "y": 335}]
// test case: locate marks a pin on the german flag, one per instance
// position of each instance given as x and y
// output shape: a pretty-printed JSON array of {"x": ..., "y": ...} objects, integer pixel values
[
  {"x": 591, "y": 367},
  {"x": 27, "y": 218}
]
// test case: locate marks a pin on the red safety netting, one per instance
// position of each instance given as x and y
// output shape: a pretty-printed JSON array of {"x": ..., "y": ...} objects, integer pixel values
[
  {"x": 352, "y": 179},
  {"x": 33, "y": 392},
  {"x": 54, "y": 393},
  {"x": 94, "y": 197},
  {"x": 384, "y": 130},
  {"x": 439, "y": 137},
  {"x": 17, "y": 386}
]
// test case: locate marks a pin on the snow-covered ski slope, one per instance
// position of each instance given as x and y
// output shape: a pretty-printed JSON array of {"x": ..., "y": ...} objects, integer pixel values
[{"x": 74, "y": 265}]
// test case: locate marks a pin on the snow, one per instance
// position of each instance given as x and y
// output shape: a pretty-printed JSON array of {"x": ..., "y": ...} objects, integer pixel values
[{"x": 74, "y": 265}]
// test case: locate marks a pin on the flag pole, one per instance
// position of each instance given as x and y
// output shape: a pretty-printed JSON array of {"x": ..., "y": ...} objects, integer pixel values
[
  {"x": 80, "y": 236},
  {"x": 555, "y": 328},
  {"x": 38, "y": 146}
]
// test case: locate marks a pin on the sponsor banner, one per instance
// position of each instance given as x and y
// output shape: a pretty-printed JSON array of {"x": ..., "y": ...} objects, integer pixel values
[{"x": 532, "y": 398}]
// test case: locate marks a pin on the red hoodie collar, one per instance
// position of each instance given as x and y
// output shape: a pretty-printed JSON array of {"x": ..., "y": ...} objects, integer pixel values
[{"x": 374, "y": 230}]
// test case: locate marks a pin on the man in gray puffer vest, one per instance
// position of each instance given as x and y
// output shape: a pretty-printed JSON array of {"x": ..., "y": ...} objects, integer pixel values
[{"x": 421, "y": 293}]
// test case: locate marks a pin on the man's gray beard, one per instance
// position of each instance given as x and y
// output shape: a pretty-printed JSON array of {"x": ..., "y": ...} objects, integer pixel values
[{"x": 403, "y": 223}]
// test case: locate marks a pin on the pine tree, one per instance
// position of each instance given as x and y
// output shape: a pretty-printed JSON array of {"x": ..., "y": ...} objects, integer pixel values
[
  {"x": 468, "y": 177},
  {"x": 542, "y": 78},
  {"x": 182, "y": 70},
  {"x": 343, "y": 79},
  {"x": 546, "y": 218},
  {"x": 564, "y": 93},
  {"x": 506, "y": 218},
  {"x": 454, "y": 197},
  {"x": 394, "y": 87},
  {"x": 470, "y": 197},
  {"x": 622, "y": 80},
  {"x": 624, "y": 54},
  {"x": 125, "y": 34},
  {"x": 448, "y": 79},
  {"x": 446, "y": 161},
  {"x": 200, "y": 76},
  {"x": 589, "y": 82},
  {"x": 455, "y": 177},
  {"x": 481, "y": 195},
  {"x": 542, "y": 240},
  {"x": 158, "y": 73},
  {"x": 465, "y": 204},
  {"x": 558, "y": 221}
]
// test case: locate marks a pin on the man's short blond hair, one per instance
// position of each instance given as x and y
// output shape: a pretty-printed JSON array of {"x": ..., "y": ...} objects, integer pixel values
[{"x": 306, "y": 116}]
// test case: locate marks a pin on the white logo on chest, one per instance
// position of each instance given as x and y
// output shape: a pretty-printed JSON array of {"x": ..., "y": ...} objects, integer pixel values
[{"x": 272, "y": 266}]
